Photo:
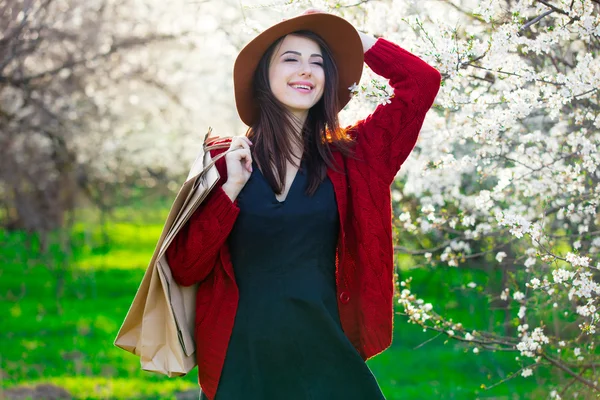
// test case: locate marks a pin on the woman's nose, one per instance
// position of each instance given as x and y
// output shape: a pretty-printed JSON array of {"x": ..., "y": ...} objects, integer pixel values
[{"x": 306, "y": 69}]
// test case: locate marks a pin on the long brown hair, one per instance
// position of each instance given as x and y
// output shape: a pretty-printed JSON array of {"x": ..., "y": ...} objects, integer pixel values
[{"x": 273, "y": 135}]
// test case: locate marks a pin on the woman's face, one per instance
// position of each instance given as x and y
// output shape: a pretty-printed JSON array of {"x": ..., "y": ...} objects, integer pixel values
[{"x": 296, "y": 74}]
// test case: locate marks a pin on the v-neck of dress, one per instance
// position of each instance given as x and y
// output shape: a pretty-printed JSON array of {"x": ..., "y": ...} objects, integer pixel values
[{"x": 273, "y": 195}]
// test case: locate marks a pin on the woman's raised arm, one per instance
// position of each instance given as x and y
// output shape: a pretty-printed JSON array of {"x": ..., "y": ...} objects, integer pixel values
[{"x": 387, "y": 136}]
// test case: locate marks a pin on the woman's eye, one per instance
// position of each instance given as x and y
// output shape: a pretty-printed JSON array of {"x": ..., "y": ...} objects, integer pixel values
[{"x": 293, "y": 59}]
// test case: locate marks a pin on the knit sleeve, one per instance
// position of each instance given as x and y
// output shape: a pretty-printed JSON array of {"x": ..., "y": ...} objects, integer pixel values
[
  {"x": 193, "y": 253},
  {"x": 387, "y": 136}
]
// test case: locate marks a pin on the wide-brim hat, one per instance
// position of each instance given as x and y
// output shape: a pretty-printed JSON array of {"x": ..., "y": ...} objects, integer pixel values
[{"x": 341, "y": 37}]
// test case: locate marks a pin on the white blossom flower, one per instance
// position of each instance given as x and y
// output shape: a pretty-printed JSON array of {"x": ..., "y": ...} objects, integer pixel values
[
  {"x": 522, "y": 329},
  {"x": 535, "y": 283},
  {"x": 530, "y": 344},
  {"x": 577, "y": 261},
  {"x": 404, "y": 217},
  {"x": 500, "y": 256},
  {"x": 529, "y": 262},
  {"x": 518, "y": 296},
  {"x": 586, "y": 310},
  {"x": 562, "y": 275},
  {"x": 527, "y": 372}
]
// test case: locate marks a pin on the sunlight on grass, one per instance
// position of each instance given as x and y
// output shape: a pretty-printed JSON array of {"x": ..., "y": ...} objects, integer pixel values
[
  {"x": 116, "y": 259},
  {"x": 130, "y": 247},
  {"x": 125, "y": 234},
  {"x": 84, "y": 387}
]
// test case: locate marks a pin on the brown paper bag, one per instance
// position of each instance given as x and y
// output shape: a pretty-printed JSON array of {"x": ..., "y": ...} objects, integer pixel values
[{"x": 159, "y": 326}]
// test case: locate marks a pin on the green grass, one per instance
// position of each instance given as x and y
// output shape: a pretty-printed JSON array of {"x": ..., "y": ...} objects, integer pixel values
[{"x": 69, "y": 343}]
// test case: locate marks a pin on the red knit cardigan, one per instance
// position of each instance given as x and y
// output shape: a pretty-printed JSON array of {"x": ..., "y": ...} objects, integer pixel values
[{"x": 364, "y": 261}]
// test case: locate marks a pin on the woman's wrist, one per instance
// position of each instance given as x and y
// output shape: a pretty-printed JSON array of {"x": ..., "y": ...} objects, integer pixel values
[
  {"x": 231, "y": 190},
  {"x": 367, "y": 40}
]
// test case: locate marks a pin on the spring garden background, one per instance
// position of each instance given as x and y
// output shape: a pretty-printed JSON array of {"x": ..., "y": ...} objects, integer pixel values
[{"x": 103, "y": 104}]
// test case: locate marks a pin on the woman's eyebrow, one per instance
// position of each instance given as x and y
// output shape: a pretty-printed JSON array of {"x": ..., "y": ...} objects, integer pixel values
[{"x": 299, "y": 54}]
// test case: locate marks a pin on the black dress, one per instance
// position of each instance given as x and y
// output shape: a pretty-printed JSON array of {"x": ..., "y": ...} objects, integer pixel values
[{"x": 287, "y": 341}]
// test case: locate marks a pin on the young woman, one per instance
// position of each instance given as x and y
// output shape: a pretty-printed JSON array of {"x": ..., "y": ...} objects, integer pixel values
[{"x": 293, "y": 250}]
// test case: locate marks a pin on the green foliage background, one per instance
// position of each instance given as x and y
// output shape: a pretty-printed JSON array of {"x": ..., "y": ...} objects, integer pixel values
[{"x": 69, "y": 342}]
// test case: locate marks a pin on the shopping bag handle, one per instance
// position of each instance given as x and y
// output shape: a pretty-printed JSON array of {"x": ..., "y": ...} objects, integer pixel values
[{"x": 208, "y": 147}]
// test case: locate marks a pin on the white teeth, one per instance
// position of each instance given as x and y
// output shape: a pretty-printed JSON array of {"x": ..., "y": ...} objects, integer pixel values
[{"x": 302, "y": 87}]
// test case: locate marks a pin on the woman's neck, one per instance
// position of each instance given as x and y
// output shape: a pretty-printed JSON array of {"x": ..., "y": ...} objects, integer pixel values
[{"x": 297, "y": 146}]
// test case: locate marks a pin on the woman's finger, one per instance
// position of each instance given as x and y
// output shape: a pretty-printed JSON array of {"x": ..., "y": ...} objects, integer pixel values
[
  {"x": 241, "y": 146},
  {"x": 313, "y": 11},
  {"x": 242, "y": 142},
  {"x": 246, "y": 158}
]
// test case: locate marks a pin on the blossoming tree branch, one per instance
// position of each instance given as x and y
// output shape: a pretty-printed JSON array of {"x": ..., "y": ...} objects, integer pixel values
[{"x": 505, "y": 176}]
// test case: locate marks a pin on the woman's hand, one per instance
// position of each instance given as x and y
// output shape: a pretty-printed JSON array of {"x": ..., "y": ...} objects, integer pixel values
[
  {"x": 239, "y": 166},
  {"x": 313, "y": 11}
]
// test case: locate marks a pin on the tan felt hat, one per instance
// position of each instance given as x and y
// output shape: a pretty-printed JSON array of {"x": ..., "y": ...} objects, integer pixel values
[{"x": 340, "y": 36}]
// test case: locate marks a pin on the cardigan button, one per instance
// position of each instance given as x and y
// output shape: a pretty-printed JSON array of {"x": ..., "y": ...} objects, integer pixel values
[{"x": 344, "y": 297}]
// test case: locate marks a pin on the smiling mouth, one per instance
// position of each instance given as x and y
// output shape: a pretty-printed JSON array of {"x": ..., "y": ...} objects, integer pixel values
[{"x": 301, "y": 88}]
